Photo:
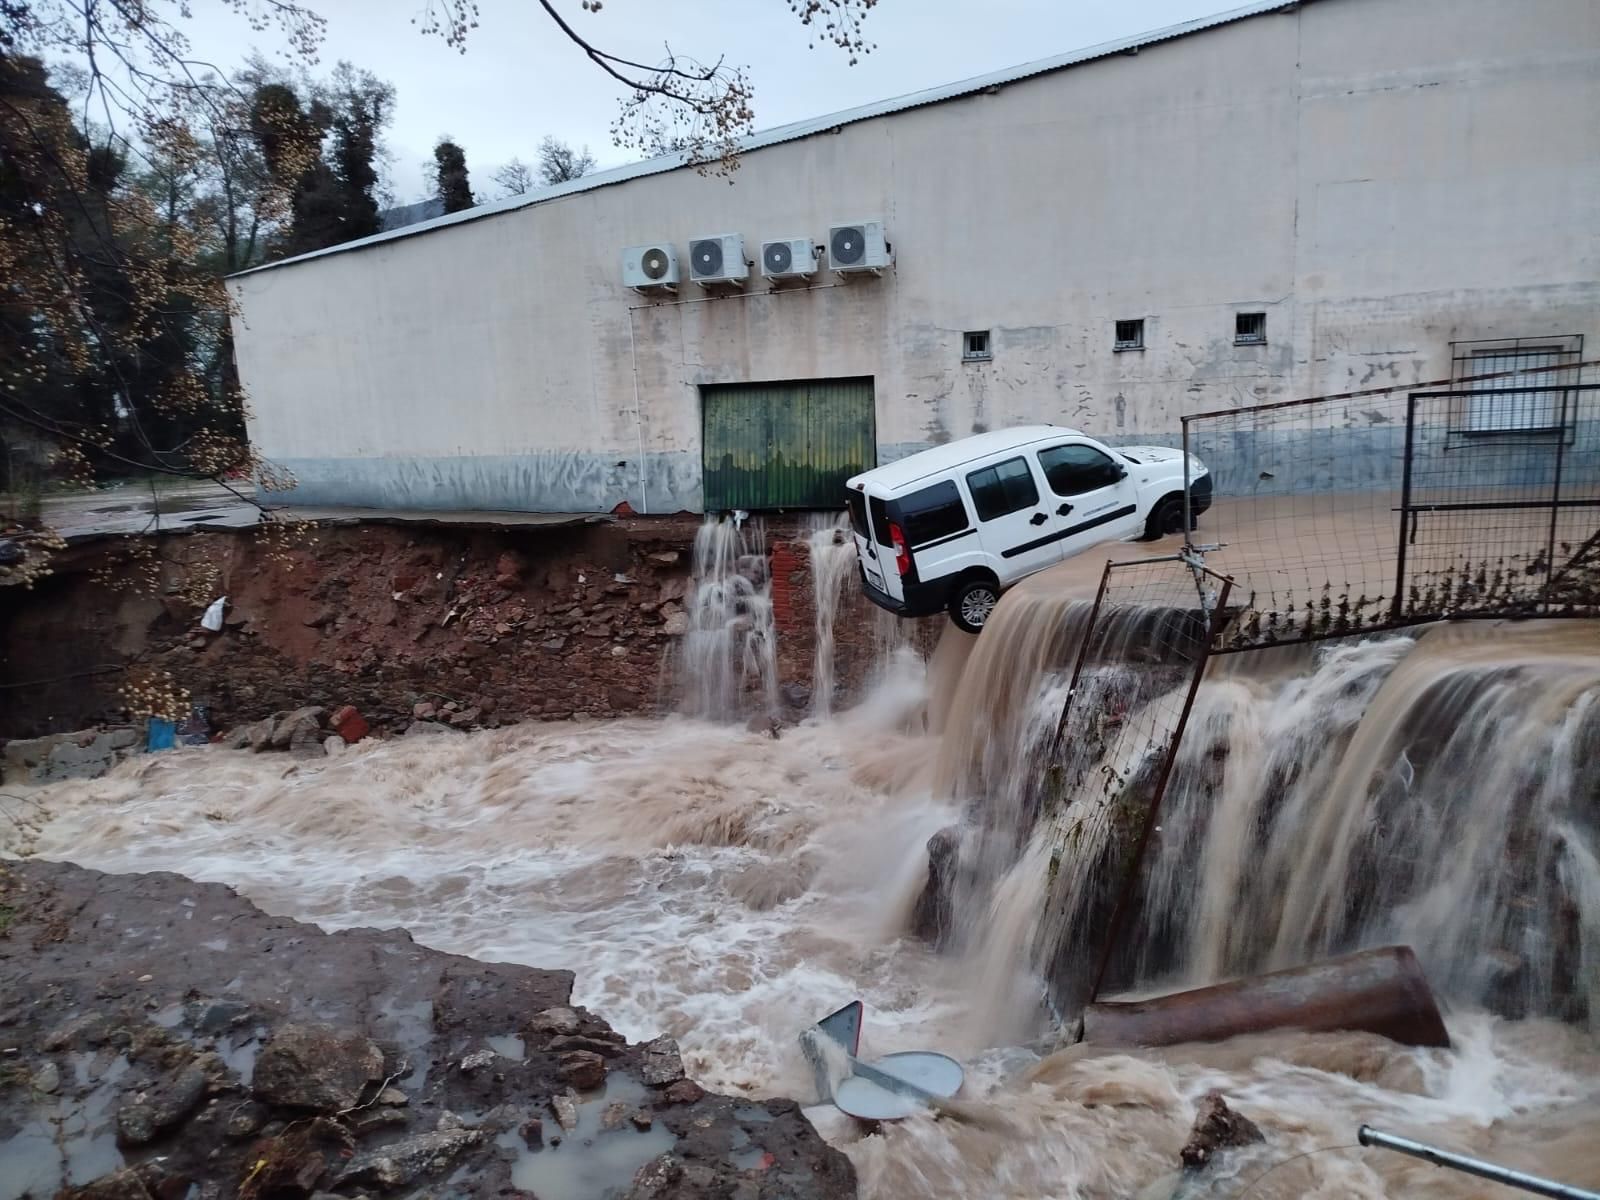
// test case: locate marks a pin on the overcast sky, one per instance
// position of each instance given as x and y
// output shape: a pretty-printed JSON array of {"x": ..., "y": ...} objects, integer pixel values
[{"x": 521, "y": 79}]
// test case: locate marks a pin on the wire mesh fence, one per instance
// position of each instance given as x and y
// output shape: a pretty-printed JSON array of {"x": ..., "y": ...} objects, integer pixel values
[
  {"x": 1345, "y": 514},
  {"x": 1144, "y": 648}
]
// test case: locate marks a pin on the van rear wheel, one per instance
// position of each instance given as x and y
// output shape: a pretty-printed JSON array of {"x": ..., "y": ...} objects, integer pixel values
[{"x": 972, "y": 603}]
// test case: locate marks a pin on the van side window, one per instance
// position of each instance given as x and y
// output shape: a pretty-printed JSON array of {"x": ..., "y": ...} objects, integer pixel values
[
  {"x": 1074, "y": 470},
  {"x": 1002, "y": 488},
  {"x": 933, "y": 513}
]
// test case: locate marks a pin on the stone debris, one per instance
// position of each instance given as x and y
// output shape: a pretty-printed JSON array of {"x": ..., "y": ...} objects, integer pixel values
[
  {"x": 1216, "y": 1127},
  {"x": 297, "y": 725},
  {"x": 662, "y": 1062},
  {"x": 315, "y": 1066},
  {"x": 245, "y": 1120},
  {"x": 614, "y": 1115},
  {"x": 641, "y": 1120},
  {"x": 476, "y": 1061},
  {"x": 369, "y": 1120},
  {"x": 685, "y": 1091},
  {"x": 159, "y": 1108},
  {"x": 565, "y": 1107},
  {"x": 350, "y": 725},
  {"x": 555, "y": 1021},
  {"x": 532, "y": 1133},
  {"x": 393, "y": 1096},
  {"x": 609, "y": 1046},
  {"x": 47, "y": 1078},
  {"x": 397, "y": 1164},
  {"x": 583, "y": 1069}
]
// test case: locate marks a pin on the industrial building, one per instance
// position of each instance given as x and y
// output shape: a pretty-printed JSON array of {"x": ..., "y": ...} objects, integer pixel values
[{"x": 1292, "y": 199}]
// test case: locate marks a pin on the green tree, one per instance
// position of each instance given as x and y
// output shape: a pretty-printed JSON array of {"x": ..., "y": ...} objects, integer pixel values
[{"x": 450, "y": 176}]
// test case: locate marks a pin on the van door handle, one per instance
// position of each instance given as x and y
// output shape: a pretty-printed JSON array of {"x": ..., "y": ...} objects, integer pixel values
[
  {"x": 1063, "y": 510},
  {"x": 1037, "y": 519}
]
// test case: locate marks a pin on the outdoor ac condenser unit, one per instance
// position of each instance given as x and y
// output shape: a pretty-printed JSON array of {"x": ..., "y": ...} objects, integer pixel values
[
  {"x": 650, "y": 268},
  {"x": 792, "y": 258},
  {"x": 858, "y": 248},
  {"x": 718, "y": 259}
]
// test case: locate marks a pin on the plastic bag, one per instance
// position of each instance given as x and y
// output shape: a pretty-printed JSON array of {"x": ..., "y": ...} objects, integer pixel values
[{"x": 212, "y": 619}]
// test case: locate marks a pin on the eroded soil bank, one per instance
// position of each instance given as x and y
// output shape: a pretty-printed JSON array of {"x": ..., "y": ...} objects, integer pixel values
[
  {"x": 499, "y": 625},
  {"x": 166, "y": 1038}
]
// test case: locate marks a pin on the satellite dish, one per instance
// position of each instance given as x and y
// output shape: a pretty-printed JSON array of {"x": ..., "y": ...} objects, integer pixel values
[
  {"x": 849, "y": 244},
  {"x": 707, "y": 257},
  {"x": 779, "y": 258},
  {"x": 654, "y": 263}
]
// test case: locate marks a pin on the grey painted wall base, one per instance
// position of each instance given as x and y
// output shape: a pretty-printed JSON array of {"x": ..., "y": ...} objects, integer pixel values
[
  {"x": 546, "y": 482},
  {"x": 1243, "y": 463}
]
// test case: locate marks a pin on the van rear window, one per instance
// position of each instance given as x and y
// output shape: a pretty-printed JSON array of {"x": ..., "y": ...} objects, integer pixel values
[
  {"x": 880, "y": 520},
  {"x": 857, "y": 504},
  {"x": 933, "y": 513}
]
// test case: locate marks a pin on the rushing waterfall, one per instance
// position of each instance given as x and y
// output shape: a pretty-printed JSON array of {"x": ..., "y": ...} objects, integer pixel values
[
  {"x": 833, "y": 561},
  {"x": 1441, "y": 790},
  {"x": 729, "y": 659}
]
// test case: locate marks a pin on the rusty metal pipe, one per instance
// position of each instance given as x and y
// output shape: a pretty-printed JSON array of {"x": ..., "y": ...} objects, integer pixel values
[{"x": 1379, "y": 991}]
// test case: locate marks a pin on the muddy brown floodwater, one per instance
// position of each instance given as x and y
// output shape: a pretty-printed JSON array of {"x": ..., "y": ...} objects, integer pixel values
[{"x": 728, "y": 888}]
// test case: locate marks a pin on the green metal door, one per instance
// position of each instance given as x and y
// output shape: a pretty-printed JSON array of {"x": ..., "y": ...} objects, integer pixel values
[{"x": 786, "y": 445}]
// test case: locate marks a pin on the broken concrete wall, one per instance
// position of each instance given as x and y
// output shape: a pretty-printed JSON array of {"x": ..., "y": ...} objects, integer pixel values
[{"x": 83, "y": 754}]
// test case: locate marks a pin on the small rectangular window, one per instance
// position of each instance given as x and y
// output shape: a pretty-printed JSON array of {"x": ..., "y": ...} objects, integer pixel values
[
  {"x": 1003, "y": 488},
  {"x": 933, "y": 513},
  {"x": 880, "y": 521},
  {"x": 975, "y": 345},
  {"x": 857, "y": 503},
  {"x": 1249, "y": 329},
  {"x": 1130, "y": 335}
]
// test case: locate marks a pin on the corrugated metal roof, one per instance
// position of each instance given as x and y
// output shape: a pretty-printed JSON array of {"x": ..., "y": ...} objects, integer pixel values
[{"x": 805, "y": 128}]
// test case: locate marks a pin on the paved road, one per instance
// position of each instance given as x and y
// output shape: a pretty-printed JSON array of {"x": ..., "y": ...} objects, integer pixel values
[{"x": 137, "y": 508}]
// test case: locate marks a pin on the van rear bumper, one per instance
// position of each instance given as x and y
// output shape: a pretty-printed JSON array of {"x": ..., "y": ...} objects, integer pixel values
[{"x": 922, "y": 599}]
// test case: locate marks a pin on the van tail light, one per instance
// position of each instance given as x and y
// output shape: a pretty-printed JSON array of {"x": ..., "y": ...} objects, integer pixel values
[{"x": 902, "y": 556}]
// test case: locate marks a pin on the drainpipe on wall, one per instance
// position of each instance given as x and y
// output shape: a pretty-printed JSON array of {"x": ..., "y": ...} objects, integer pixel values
[{"x": 638, "y": 419}]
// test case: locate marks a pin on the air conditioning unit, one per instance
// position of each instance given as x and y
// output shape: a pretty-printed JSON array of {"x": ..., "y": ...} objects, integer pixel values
[
  {"x": 650, "y": 268},
  {"x": 792, "y": 258},
  {"x": 718, "y": 259},
  {"x": 858, "y": 248}
]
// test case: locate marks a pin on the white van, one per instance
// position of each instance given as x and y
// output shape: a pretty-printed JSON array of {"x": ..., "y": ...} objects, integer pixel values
[{"x": 952, "y": 527}]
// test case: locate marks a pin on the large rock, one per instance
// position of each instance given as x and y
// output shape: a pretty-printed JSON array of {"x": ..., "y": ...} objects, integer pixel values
[
  {"x": 158, "y": 1109},
  {"x": 316, "y": 1067},
  {"x": 302, "y": 724},
  {"x": 400, "y": 1162}
]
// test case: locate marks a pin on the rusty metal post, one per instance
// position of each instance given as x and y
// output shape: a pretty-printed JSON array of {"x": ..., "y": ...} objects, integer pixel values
[{"x": 1130, "y": 879}]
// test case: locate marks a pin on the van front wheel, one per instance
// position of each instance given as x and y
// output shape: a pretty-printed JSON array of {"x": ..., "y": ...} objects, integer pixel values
[
  {"x": 1165, "y": 518},
  {"x": 972, "y": 603}
]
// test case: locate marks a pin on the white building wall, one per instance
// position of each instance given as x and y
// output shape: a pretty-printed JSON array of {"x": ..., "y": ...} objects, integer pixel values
[{"x": 1378, "y": 176}]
